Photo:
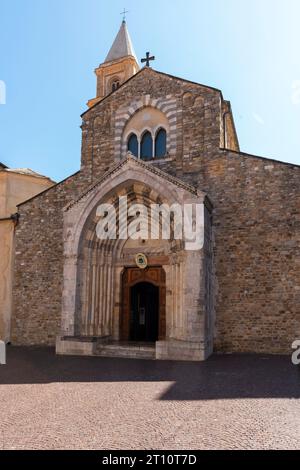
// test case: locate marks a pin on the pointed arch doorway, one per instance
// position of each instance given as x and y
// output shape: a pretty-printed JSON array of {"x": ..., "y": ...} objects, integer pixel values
[
  {"x": 143, "y": 316},
  {"x": 98, "y": 274}
]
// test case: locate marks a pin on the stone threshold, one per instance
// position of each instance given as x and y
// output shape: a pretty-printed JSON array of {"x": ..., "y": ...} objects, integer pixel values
[
  {"x": 105, "y": 347},
  {"x": 132, "y": 350},
  {"x": 174, "y": 350}
]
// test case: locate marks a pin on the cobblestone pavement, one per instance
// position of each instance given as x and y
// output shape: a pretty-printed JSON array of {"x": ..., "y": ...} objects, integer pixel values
[{"x": 228, "y": 402}]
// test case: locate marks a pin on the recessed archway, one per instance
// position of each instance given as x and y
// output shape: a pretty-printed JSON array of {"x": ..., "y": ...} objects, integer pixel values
[
  {"x": 93, "y": 267},
  {"x": 100, "y": 288}
]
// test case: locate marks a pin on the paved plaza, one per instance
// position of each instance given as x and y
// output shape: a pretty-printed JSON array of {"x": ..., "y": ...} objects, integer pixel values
[{"x": 228, "y": 402}]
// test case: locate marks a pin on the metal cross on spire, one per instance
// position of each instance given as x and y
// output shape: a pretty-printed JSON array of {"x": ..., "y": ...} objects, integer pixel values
[
  {"x": 124, "y": 12},
  {"x": 148, "y": 59}
]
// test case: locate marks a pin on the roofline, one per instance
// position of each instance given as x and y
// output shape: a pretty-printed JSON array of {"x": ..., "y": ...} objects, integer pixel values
[
  {"x": 11, "y": 171},
  {"x": 3, "y": 166},
  {"x": 190, "y": 81},
  {"x": 156, "y": 71},
  {"x": 111, "y": 93},
  {"x": 48, "y": 189},
  {"x": 267, "y": 159}
]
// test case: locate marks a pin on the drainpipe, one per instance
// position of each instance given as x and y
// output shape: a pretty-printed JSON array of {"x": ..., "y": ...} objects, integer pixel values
[{"x": 14, "y": 218}]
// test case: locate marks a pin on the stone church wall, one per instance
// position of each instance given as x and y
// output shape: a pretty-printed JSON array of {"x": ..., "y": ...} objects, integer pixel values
[
  {"x": 38, "y": 269},
  {"x": 256, "y": 222},
  {"x": 195, "y": 114},
  {"x": 256, "y": 225},
  {"x": 257, "y": 251}
]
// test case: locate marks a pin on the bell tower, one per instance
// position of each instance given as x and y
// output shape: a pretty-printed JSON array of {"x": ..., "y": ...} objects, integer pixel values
[{"x": 120, "y": 64}]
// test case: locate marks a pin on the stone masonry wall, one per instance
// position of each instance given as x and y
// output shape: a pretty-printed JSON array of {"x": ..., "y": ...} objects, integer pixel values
[
  {"x": 38, "y": 272},
  {"x": 256, "y": 224},
  {"x": 257, "y": 251},
  {"x": 198, "y": 120}
]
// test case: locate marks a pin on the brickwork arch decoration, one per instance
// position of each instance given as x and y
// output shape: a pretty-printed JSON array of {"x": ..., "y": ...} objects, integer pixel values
[
  {"x": 102, "y": 262},
  {"x": 167, "y": 106}
]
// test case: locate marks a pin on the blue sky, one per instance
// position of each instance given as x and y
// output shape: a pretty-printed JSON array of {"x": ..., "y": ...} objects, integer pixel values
[{"x": 50, "y": 48}]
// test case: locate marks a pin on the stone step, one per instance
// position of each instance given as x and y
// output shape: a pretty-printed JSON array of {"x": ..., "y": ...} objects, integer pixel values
[{"x": 126, "y": 351}]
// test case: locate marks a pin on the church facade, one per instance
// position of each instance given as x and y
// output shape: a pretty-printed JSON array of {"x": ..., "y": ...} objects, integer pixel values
[{"x": 156, "y": 139}]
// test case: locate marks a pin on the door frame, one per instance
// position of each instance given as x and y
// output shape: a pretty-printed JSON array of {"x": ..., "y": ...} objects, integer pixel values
[{"x": 130, "y": 277}]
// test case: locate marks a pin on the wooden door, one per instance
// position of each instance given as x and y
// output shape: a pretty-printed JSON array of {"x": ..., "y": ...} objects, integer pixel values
[{"x": 133, "y": 276}]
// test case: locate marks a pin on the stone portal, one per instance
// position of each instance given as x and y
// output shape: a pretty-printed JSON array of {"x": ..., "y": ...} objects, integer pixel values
[{"x": 108, "y": 299}]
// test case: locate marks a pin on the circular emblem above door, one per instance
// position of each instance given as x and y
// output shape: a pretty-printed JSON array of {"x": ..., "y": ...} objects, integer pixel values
[{"x": 141, "y": 261}]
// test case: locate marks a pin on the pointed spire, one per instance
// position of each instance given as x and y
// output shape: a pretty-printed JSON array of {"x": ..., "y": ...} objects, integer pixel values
[
  {"x": 110, "y": 77},
  {"x": 122, "y": 46}
]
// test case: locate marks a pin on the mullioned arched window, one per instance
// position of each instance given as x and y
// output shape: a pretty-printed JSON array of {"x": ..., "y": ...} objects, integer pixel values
[{"x": 148, "y": 146}]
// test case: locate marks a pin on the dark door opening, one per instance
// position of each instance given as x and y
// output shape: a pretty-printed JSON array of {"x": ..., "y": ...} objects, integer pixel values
[{"x": 144, "y": 309}]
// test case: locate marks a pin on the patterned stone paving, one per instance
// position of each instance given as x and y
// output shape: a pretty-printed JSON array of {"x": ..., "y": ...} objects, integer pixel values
[{"x": 229, "y": 402}]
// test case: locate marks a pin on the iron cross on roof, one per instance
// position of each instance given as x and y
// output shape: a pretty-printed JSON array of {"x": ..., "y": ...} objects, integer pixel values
[
  {"x": 147, "y": 59},
  {"x": 124, "y": 12}
]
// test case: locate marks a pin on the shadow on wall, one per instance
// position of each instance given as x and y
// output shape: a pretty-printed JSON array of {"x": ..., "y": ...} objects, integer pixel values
[{"x": 221, "y": 377}]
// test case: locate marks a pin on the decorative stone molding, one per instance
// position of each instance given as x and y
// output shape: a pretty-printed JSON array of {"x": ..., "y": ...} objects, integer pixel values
[
  {"x": 93, "y": 268},
  {"x": 167, "y": 105},
  {"x": 130, "y": 160}
]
